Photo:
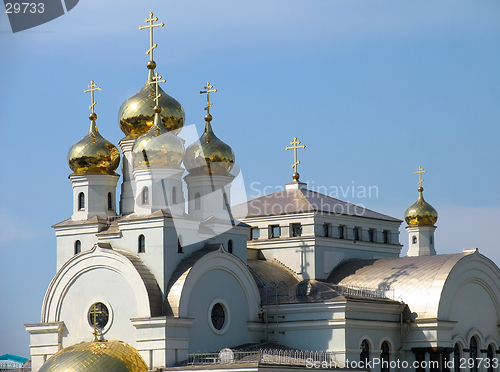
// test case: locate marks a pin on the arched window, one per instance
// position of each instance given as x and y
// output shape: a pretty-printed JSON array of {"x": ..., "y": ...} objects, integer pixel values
[
  {"x": 473, "y": 355},
  {"x": 414, "y": 240},
  {"x": 110, "y": 202},
  {"x": 81, "y": 201},
  {"x": 230, "y": 246},
  {"x": 197, "y": 201},
  {"x": 174, "y": 195},
  {"x": 141, "y": 244},
  {"x": 145, "y": 195},
  {"x": 457, "y": 352},
  {"x": 364, "y": 356},
  {"x": 179, "y": 244},
  {"x": 385, "y": 357},
  {"x": 224, "y": 202},
  {"x": 78, "y": 247},
  {"x": 431, "y": 239},
  {"x": 490, "y": 354}
]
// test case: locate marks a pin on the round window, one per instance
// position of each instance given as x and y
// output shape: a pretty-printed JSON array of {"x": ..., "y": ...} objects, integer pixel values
[
  {"x": 218, "y": 316},
  {"x": 98, "y": 315}
]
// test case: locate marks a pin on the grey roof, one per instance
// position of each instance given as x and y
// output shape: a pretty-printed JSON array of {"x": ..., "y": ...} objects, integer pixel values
[
  {"x": 417, "y": 281},
  {"x": 277, "y": 282},
  {"x": 154, "y": 292},
  {"x": 178, "y": 278},
  {"x": 300, "y": 201}
]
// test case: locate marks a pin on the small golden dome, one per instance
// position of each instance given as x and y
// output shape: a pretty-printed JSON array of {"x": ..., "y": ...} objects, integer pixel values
[
  {"x": 93, "y": 154},
  {"x": 421, "y": 213},
  {"x": 136, "y": 113},
  {"x": 97, "y": 356},
  {"x": 158, "y": 148},
  {"x": 209, "y": 155}
]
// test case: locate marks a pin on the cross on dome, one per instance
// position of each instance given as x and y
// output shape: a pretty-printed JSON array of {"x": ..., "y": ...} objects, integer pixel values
[
  {"x": 295, "y": 146},
  {"x": 150, "y": 20},
  {"x": 208, "y": 90},
  {"x": 93, "y": 87},
  {"x": 156, "y": 81},
  {"x": 420, "y": 170}
]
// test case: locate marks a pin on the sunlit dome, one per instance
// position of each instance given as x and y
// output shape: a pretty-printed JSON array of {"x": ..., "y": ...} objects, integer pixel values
[
  {"x": 136, "y": 114},
  {"x": 93, "y": 154},
  {"x": 96, "y": 356},
  {"x": 421, "y": 213},
  {"x": 158, "y": 148},
  {"x": 209, "y": 155}
]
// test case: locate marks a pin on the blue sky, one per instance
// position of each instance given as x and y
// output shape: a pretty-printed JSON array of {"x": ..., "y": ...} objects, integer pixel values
[{"x": 372, "y": 88}]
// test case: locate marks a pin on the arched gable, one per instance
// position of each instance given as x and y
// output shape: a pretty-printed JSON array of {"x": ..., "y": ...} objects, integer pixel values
[
  {"x": 472, "y": 271},
  {"x": 190, "y": 271},
  {"x": 145, "y": 288}
]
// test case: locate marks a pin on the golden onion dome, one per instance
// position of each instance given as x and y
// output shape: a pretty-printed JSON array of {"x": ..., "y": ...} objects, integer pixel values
[
  {"x": 158, "y": 148},
  {"x": 96, "y": 356},
  {"x": 136, "y": 113},
  {"x": 93, "y": 154},
  {"x": 209, "y": 155},
  {"x": 421, "y": 213}
]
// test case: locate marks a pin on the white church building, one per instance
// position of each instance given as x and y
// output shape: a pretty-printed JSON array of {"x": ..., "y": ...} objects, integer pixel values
[{"x": 173, "y": 273}]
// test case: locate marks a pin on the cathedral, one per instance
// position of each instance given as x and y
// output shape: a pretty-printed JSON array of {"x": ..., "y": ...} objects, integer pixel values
[{"x": 164, "y": 274}]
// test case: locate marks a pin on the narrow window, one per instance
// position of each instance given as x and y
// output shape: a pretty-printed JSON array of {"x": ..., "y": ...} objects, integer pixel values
[
  {"x": 414, "y": 240},
  {"x": 81, "y": 201},
  {"x": 384, "y": 357},
  {"x": 179, "y": 244},
  {"x": 296, "y": 229},
  {"x": 490, "y": 354},
  {"x": 274, "y": 231},
  {"x": 473, "y": 355},
  {"x": 230, "y": 246},
  {"x": 364, "y": 356},
  {"x": 341, "y": 232},
  {"x": 356, "y": 232},
  {"x": 110, "y": 202},
  {"x": 456, "y": 357},
  {"x": 255, "y": 233},
  {"x": 174, "y": 195},
  {"x": 145, "y": 196},
  {"x": 371, "y": 235},
  {"x": 197, "y": 201},
  {"x": 387, "y": 236},
  {"x": 431, "y": 239},
  {"x": 142, "y": 244},
  {"x": 326, "y": 229},
  {"x": 78, "y": 247},
  {"x": 224, "y": 202}
]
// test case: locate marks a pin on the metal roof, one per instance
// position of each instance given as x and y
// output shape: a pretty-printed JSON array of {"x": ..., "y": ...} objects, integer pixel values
[{"x": 300, "y": 201}]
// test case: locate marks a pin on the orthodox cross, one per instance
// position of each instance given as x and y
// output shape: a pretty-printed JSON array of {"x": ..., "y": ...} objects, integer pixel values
[
  {"x": 150, "y": 20},
  {"x": 93, "y": 87},
  {"x": 156, "y": 81},
  {"x": 94, "y": 311},
  {"x": 420, "y": 170},
  {"x": 208, "y": 90},
  {"x": 295, "y": 146}
]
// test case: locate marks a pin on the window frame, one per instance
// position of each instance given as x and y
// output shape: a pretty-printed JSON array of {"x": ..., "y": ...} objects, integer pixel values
[{"x": 141, "y": 244}]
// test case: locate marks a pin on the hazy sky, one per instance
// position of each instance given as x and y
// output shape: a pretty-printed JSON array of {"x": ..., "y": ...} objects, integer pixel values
[{"x": 372, "y": 88}]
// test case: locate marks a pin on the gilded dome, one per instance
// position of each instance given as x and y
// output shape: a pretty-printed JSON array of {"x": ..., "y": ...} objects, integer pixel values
[
  {"x": 93, "y": 154},
  {"x": 421, "y": 213},
  {"x": 209, "y": 155},
  {"x": 136, "y": 113},
  {"x": 158, "y": 148},
  {"x": 97, "y": 356}
]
